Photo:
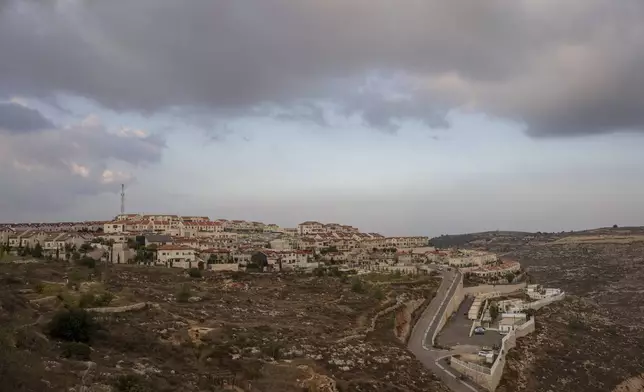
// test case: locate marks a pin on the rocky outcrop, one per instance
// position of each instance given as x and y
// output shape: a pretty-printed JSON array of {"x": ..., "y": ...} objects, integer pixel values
[{"x": 633, "y": 384}]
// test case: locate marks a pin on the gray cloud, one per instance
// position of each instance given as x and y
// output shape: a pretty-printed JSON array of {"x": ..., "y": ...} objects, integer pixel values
[
  {"x": 561, "y": 67},
  {"x": 18, "y": 118},
  {"x": 47, "y": 171}
]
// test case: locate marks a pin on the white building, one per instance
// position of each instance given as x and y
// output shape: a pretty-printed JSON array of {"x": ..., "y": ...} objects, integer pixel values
[
  {"x": 536, "y": 291},
  {"x": 114, "y": 227},
  {"x": 178, "y": 256},
  {"x": 310, "y": 228}
]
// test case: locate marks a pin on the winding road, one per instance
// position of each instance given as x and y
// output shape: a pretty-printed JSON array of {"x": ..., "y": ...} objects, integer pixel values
[{"x": 420, "y": 340}]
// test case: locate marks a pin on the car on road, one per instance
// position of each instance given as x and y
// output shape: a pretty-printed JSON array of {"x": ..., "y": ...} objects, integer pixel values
[{"x": 479, "y": 331}]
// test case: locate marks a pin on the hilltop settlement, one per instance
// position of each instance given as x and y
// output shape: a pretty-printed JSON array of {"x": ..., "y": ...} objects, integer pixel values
[{"x": 249, "y": 306}]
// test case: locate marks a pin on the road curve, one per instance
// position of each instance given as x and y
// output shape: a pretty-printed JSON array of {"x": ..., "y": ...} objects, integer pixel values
[{"x": 420, "y": 340}]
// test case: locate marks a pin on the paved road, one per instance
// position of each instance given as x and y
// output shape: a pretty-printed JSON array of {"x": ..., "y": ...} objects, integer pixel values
[
  {"x": 456, "y": 331},
  {"x": 420, "y": 341}
]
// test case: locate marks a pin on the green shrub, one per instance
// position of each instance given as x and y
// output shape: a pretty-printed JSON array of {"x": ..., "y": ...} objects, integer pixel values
[
  {"x": 103, "y": 299},
  {"x": 357, "y": 286},
  {"x": 184, "y": 293},
  {"x": 273, "y": 350},
  {"x": 76, "y": 350},
  {"x": 378, "y": 294},
  {"x": 73, "y": 325},
  {"x": 319, "y": 272},
  {"x": 86, "y": 300},
  {"x": 194, "y": 273},
  {"x": 86, "y": 262},
  {"x": 39, "y": 287},
  {"x": 131, "y": 383},
  {"x": 335, "y": 272}
]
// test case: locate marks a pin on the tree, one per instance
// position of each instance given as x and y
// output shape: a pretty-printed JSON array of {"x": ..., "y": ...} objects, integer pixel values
[
  {"x": 357, "y": 286},
  {"x": 494, "y": 311},
  {"x": 37, "y": 251},
  {"x": 615, "y": 226},
  {"x": 76, "y": 256},
  {"x": 212, "y": 259},
  {"x": 200, "y": 265},
  {"x": 74, "y": 325},
  {"x": 85, "y": 248},
  {"x": 194, "y": 273}
]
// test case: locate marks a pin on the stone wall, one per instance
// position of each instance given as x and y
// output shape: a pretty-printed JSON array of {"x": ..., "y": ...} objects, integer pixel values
[
  {"x": 489, "y": 378},
  {"x": 120, "y": 309},
  {"x": 489, "y": 288},
  {"x": 452, "y": 306},
  {"x": 536, "y": 305}
]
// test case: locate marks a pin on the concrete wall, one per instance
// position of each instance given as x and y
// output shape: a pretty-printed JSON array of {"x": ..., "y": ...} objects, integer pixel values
[
  {"x": 489, "y": 288},
  {"x": 489, "y": 378},
  {"x": 223, "y": 267},
  {"x": 452, "y": 307},
  {"x": 536, "y": 305}
]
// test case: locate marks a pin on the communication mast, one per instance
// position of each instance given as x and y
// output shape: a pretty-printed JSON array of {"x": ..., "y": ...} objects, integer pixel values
[{"x": 122, "y": 199}]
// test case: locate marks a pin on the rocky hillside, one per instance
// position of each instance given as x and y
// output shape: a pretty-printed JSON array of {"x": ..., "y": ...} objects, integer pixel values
[{"x": 594, "y": 340}]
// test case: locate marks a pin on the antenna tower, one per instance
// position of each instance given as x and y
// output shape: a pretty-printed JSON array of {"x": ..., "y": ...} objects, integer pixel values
[{"x": 122, "y": 199}]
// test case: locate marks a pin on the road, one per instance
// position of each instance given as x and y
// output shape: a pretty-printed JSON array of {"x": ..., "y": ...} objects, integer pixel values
[{"x": 420, "y": 341}]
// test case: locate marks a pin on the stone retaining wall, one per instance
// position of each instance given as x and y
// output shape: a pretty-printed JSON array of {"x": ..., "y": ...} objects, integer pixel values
[
  {"x": 489, "y": 378},
  {"x": 452, "y": 307},
  {"x": 489, "y": 288},
  {"x": 120, "y": 309}
]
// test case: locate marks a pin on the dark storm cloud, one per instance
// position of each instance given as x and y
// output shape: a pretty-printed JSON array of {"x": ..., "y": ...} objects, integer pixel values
[
  {"x": 18, "y": 118},
  {"x": 561, "y": 67}
]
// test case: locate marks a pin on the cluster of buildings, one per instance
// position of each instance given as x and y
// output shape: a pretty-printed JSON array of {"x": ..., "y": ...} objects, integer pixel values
[
  {"x": 198, "y": 241},
  {"x": 51, "y": 242},
  {"x": 512, "y": 312}
]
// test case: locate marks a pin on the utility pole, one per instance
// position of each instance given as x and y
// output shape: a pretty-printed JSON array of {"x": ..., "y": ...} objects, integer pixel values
[{"x": 122, "y": 199}]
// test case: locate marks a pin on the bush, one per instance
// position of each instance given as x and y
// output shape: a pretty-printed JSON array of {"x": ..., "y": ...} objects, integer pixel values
[
  {"x": 357, "y": 286},
  {"x": 39, "y": 287},
  {"x": 86, "y": 262},
  {"x": 335, "y": 272},
  {"x": 103, "y": 299},
  {"x": 194, "y": 273},
  {"x": 378, "y": 294},
  {"x": 130, "y": 383},
  {"x": 319, "y": 272},
  {"x": 76, "y": 350},
  {"x": 273, "y": 350},
  {"x": 183, "y": 294},
  {"x": 74, "y": 325},
  {"x": 577, "y": 325},
  {"x": 86, "y": 301}
]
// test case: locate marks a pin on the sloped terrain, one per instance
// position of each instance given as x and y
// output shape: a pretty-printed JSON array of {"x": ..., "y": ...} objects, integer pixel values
[
  {"x": 594, "y": 340},
  {"x": 252, "y": 332}
]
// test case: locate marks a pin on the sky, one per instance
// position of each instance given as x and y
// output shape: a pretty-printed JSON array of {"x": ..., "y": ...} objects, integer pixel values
[{"x": 406, "y": 118}]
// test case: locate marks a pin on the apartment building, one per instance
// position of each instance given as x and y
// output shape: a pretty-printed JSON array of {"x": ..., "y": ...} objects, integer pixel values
[
  {"x": 177, "y": 256},
  {"x": 310, "y": 228},
  {"x": 203, "y": 226},
  {"x": 195, "y": 219},
  {"x": 114, "y": 227}
]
